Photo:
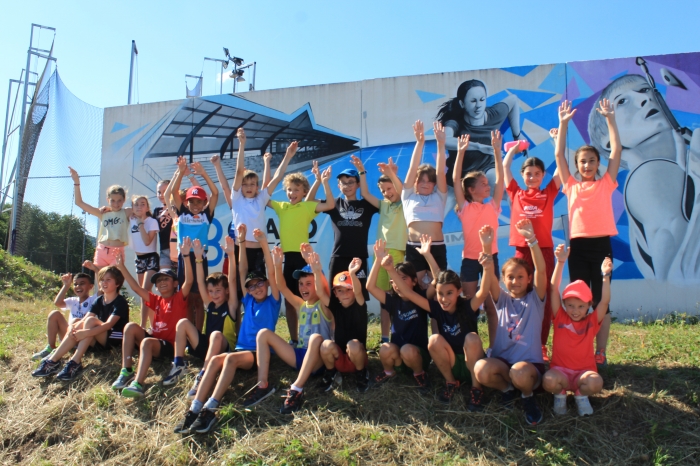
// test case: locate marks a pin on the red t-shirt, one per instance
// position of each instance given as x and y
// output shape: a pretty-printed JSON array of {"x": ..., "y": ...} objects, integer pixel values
[
  {"x": 573, "y": 341},
  {"x": 538, "y": 206},
  {"x": 169, "y": 311}
]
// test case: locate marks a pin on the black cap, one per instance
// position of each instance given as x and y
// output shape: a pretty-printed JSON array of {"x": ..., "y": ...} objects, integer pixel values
[
  {"x": 254, "y": 276},
  {"x": 163, "y": 272}
]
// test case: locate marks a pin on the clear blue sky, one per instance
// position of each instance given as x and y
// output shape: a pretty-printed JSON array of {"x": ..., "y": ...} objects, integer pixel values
[{"x": 311, "y": 42}]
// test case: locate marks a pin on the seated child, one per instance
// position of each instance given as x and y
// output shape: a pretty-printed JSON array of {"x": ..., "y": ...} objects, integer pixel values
[
  {"x": 221, "y": 301},
  {"x": 515, "y": 359},
  {"x": 79, "y": 305},
  {"x": 158, "y": 341},
  {"x": 261, "y": 310},
  {"x": 101, "y": 327},
  {"x": 315, "y": 321},
  {"x": 573, "y": 359}
]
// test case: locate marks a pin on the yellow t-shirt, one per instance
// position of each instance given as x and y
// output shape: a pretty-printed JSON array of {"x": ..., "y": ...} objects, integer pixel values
[
  {"x": 114, "y": 226},
  {"x": 294, "y": 223}
]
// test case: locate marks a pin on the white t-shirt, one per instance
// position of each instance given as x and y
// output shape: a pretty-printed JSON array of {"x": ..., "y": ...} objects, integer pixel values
[
  {"x": 419, "y": 208},
  {"x": 78, "y": 309},
  {"x": 249, "y": 211},
  {"x": 151, "y": 224}
]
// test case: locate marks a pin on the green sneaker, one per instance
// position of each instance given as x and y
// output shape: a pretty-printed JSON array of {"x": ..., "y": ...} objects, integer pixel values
[
  {"x": 125, "y": 377},
  {"x": 42, "y": 354},
  {"x": 135, "y": 390}
]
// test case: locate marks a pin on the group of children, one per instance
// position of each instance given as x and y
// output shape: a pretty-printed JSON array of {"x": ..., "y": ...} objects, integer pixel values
[{"x": 228, "y": 320}]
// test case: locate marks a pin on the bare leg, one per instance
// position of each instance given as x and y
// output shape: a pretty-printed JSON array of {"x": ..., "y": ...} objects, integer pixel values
[
  {"x": 217, "y": 345},
  {"x": 292, "y": 320},
  {"x": 85, "y": 343},
  {"x": 555, "y": 382},
  {"x": 211, "y": 371},
  {"x": 312, "y": 361},
  {"x": 390, "y": 356},
  {"x": 411, "y": 356},
  {"x": 243, "y": 360},
  {"x": 473, "y": 352},
  {"x": 601, "y": 340},
  {"x": 150, "y": 348},
  {"x": 185, "y": 330},
  {"x": 443, "y": 356},
  {"x": 330, "y": 352},
  {"x": 144, "y": 280},
  {"x": 590, "y": 383},
  {"x": 492, "y": 373},
  {"x": 265, "y": 340},
  {"x": 357, "y": 353},
  {"x": 385, "y": 322},
  {"x": 56, "y": 326},
  {"x": 67, "y": 344},
  {"x": 133, "y": 334},
  {"x": 525, "y": 377}
]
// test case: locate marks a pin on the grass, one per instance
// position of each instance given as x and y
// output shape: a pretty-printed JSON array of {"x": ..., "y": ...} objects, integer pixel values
[{"x": 23, "y": 281}]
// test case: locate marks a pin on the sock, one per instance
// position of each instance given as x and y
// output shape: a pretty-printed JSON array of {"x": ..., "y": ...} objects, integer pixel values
[
  {"x": 385, "y": 339},
  {"x": 129, "y": 369},
  {"x": 416, "y": 374},
  {"x": 211, "y": 404},
  {"x": 262, "y": 385},
  {"x": 508, "y": 388},
  {"x": 297, "y": 389},
  {"x": 390, "y": 373},
  {"x": 528, "y": 396},
  {"x": 196, "y": 406},
  {"x": 49, "y": 348},
  {"x": 179, "y": 361}
]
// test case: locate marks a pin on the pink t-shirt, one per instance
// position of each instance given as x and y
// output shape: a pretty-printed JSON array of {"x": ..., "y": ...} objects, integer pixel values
[
  {"x": 475, "y": 215},
  {"x": 573, "y": 341},
  {"x": 536, "y": 205},
  {"x": 590, "y": 207}
]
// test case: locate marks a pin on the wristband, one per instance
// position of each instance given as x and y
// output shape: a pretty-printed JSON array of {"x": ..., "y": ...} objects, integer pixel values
[
  {"x": 533, "y": 243},
  {"x": 199, "y": 261},
  {"x": 561, "y": 262},
  {"x": 605, "y": 274},
  {"x": 185, "y": 255},
  {"x": 362, "y": 172},
  {"x": 76, "y": 184}
]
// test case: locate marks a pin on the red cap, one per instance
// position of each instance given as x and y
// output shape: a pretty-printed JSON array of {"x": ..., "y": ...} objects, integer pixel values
[
  {"x": 578, "y": 289},
  {"x": 196, "y": 192},
  {"x": 342, "y": 279}
]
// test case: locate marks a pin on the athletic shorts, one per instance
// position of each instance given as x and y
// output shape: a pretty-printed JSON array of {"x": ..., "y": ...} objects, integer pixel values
[
  {"x": 293, "y": 261},
  {"x": 425, "y": 356},
  {"x": 167, "y": 350},
  {"x": 471, "y": 269},
  {"x": 165, "y": 261},
  {"x": 460, "y": 371},
  {"x": 571, "y": 375},
  {"x": 344, "y": 364},
  {"x": 145, "y": 262},
  {"x": 439, "y": 252},
  {"x": 202, "y": 347},
  {"x": 383, "y": 277},
  {"x": 538, "y": 365},
  {"x": 115, "y": 343},
  {"x": 106, "y": 255},
  {"x": 255, "y": 358}
]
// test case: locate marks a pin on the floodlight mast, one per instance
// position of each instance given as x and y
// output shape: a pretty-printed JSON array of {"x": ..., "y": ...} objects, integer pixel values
[
  {"x": 224, "y": 65},
  {"x": 134, "y": 52}
]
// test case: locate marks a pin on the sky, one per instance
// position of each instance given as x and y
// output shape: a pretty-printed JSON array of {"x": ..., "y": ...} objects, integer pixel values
[{"x": 308, "y": 42}]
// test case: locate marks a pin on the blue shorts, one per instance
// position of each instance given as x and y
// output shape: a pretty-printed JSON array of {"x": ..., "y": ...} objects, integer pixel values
[
  {"x": 300, "y": 353},
  {"x": 471, "y": 269}
]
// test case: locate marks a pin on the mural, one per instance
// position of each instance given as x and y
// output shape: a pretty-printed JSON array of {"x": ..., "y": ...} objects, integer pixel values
[{"x": 656, "y": 100}]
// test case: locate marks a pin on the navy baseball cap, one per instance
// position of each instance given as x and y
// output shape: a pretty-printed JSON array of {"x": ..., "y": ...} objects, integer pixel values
[
  {"x": 163, "y": 273},
  {"x": 306, "y": 270},
  {"x": 254, "y": 276},
  {"x": 349, "y": 172}
]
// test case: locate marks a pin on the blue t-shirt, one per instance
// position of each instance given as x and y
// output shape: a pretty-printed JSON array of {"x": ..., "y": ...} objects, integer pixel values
[
  {"x": 257, "y": 316},
  {"x": 409, "y": 323},
  {"x": 519, "y": 328},
  {"x": 194, "y": 226}
]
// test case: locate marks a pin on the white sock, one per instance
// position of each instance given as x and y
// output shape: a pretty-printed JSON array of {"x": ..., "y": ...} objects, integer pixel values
[
  {"x": 196, "y": 406},
  {"x": 528, "y": 396},
  {"x": 297, "y": 389},
  {"x": 211, "y": 404},
  {"x": 508, "y": 388}
]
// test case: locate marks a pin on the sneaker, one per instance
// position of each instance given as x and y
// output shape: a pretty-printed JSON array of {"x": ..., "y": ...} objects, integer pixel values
[
  {"x": 584, "y": 406},
  {"x": 70, "y": 371},
  {"x": 600, "y": 359},
  {"x": 533, "y": 415},
  {"x": 193, "y": 391},
  {"x": 545, "y": 356},
  {"x": 174, "y": 375},
  {"x": 448, "y": 392},
  {"x": 332, "y": 380},
  {"x": 362, "y": 380},
  {"x": 508, "y": 398},
  {"x": 184, "y": 426},
  {"x": 204, "y": 422},
  {"x": 560, "y": 405},
  {"x": 135, "y": 390},
  {"x": 292, "y": 402},
  {"x": 258, "y": 395},
  {"x": 476, "y": 400},
  {"x": 42, "y": 354},
  {"x": 382, "y": 377},
  {"x": 423, "y": 383},
  {"x": 47, "y": 368},
  {"x": 124, "y": 379}
]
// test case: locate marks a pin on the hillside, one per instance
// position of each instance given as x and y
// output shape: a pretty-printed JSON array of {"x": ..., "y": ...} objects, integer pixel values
[{"x": 23, "y": 281}]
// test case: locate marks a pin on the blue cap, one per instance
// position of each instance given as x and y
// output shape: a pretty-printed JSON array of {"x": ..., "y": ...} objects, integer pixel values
[
  {"x": 163, "y": 273},
  {"x": 303, "y": 271},
  {"x": 349, "y": 172}
]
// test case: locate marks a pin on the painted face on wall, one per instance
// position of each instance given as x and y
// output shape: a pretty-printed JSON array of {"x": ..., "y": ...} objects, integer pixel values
[
  {"x": 474, "y": 103},
  {"x": 637, "y": 113}
]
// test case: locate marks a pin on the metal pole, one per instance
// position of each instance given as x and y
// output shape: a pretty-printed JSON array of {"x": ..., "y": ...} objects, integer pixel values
[
  {"x": 4, "y": 134},
  {"x": 221, "y": 80},
  {"x": 134, "y": 52},
  {"x": 255, "y": 67},
  {"x": 235, "y": 76}
]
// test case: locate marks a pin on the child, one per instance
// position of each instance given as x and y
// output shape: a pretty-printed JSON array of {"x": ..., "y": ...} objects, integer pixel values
[
  {"x": 315, "y": 322},
  {"x": 79, "y": 306},
  {"x": 194, "y": 218},
  {"x": 158, "y": 341},
  {"x": 144, "y": 229},
  {"x": 408, "y": 348},
  {"x": 456, "y": 322},
  {"x": 113, "y": 234},
  {"x": 261, "y": 310},
  {"x": 165, "y": 225},
  {"x": 591, "y": 217},
  {"x": 221, "y": 301},
  {"x": 102, "y": 327},
  {"x": 537, "y": 205},
  {"x": 346, "y": 353},
  {"x": 295, "y": 217},
  {"x": 514, "y": 360},
  {"x": 471, "y": 193},
  {"x": 573, "y": 361},
  {"x": 423, "y": 205}
]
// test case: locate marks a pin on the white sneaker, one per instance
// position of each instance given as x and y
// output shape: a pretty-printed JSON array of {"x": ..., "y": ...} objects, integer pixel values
[
  {"x": 174, "y": 375},
  {"x": 560, "y": 405},
  {"x": 584, "y": 406}
]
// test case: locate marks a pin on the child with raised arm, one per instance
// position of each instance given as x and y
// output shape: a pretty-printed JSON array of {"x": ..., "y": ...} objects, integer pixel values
[
  {"x": 315, "y": 325},
  {"x": 536, "y": 204},
  {"x": 78, "y": 306},
  {"x": 408, "y": 348},
  {"x": 261, "y": 310},
  {"x": 221, "y": 301},
  {"x": 165, "y": 225},
  {"x": 113, "y": 234},
  {"x": 295, "y": 217},
  {"x": 514, "y": 361},
  {"x": 573, "y": 360},
  {"x": 456, "y": 319},
  {"x": 101, "y": 327},
  {"x": 591, "y": 217},
  {"x": 194, "y": 218},
  {"x": 158, "y": 341},
  {"x": 144, "y": 228},
  {"x": 424, "y": 196}
]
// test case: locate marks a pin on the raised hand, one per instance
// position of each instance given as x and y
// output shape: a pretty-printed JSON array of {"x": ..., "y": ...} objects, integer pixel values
[
  {"x": 605, "y": 109},
  {"x": 496, "y": 141},
  {"x": 229, "y": 247},
  {"x": 88, "y": 264},
  {"x": 67, "y": 279},
  {"x": 486, "y": 234},
  {"x": 418, "y": 131},
  {"x": 197, "y": 168},
  {"x": 306, "y": 250},
  {"x": 462, "y": 143},
  {"x": 486, "y": 261},
  {"x": 355, "y": 265},
  {"x": 182, "y": 165},
  {"x": 326, "y": 175},
  {"x": 425, "y": 242},
  {"x": 562, "y": 253},
  {"x": 185, "y": 246},
  {"x": 439, "y": 132},
  {"x": 565, "y": 112},
  {"x": 359, "y": 166},
  {"x": 314, "y": 169},
  {"x": 379, "y": 249},
  {"x": 105, "y": 208},
  {"x": 240, "y": 134},
  {"x": 315, "y": 262},
  {"x": 392, "y": 165},
  {"x": 277, "y": 256},
  {"x": 607, "y": 266},
  {"x": 267, "y": 157},
  {"x": 215, "y": 159},
  {"x": 525, "y": 229},
  {"x": 198, "y": 248},
  {"x": 259, "y": 236},
  {"x": 74, "y": 175},
  {"x": 119, "y": 261},
  {"x": 292, "y": 148},
  {"x": 554, "y": 133},
  {"x": 242, "y": 230},
  {"x": 388, "y": 262}
]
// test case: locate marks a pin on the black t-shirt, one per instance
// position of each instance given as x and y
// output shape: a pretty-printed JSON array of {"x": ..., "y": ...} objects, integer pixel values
[
  {"x": 350, "y": 322},
  {"x": 118, "y": 307},
  {"x": 351, "y": 222},
  {"x": 216, "y": 316},
  {"x": 455, "y": 326},
  {"x": 409, "y": 323},
  {"x": 165, "y": 222}
]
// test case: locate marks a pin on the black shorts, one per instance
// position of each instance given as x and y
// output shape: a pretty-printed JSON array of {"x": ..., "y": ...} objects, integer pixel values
[
  {"x": 293, "y": 261},
  {"x": 145, "y": 262},
  {"x": 167, "y": 350},
  {"x": 439, "y": 252},
  {"x": 341, "y": 264},
  {"x": 471, "y": 269},
  {"x": 202, "y": 347},
  {"x": 181, "y": 270},
  {"x": 541, "y": 369},
  {"x": 115, "y": 343}
]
